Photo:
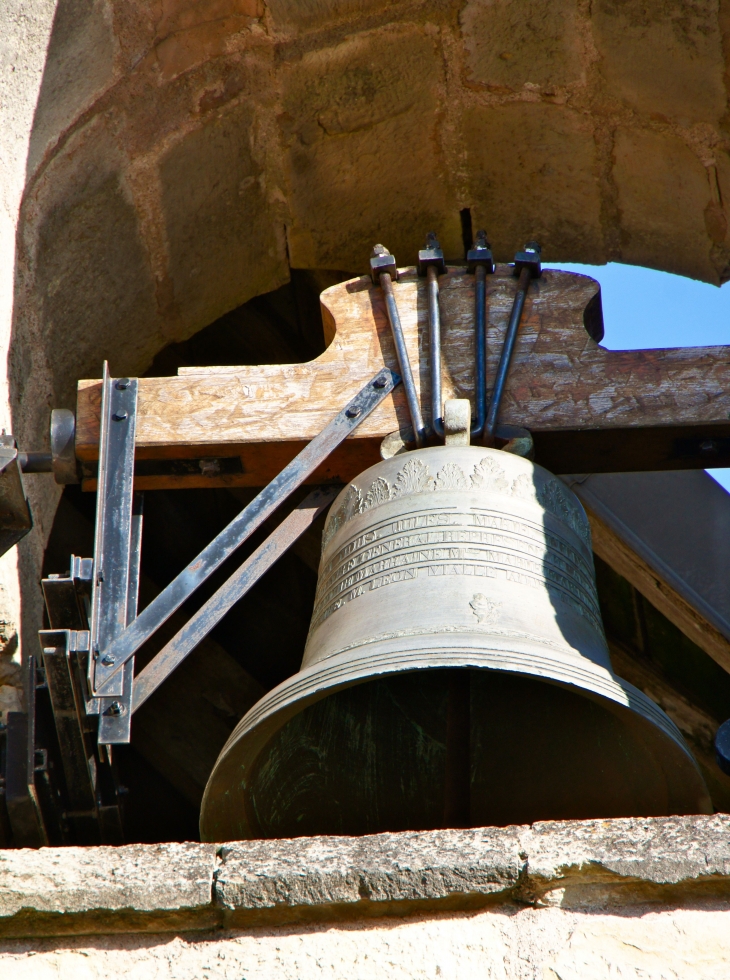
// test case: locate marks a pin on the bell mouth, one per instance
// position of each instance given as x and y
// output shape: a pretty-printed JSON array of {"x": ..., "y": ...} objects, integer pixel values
[{"x": 360, "y": 743}]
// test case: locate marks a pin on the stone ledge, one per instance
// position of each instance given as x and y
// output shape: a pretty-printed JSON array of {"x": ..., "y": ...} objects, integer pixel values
[
  {"x": 183, "y": 887},
  {"x": 135, "y": 888}
]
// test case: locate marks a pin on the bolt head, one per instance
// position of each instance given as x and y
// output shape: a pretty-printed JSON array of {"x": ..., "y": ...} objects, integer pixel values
[
  {"x": 108, "y": 660},
  {"x": 353, "y": 413},
  {"x": 379, "y": 383},
  {"x": 123, "y": 383},
  {"x": 119, "y": 416}
]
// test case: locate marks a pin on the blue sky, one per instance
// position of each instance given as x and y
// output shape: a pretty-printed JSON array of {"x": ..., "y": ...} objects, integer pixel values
[{"x": 643, "y": 308}]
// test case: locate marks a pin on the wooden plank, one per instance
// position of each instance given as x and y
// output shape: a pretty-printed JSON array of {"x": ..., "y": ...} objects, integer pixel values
[
  {"x": 617, "y": 552},
  {"x": 579, "y": 399}
]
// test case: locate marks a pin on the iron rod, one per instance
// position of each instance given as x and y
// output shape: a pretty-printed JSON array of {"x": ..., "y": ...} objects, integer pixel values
[
  {"x": 36, "y": 462},
  {"x": 126, "y": 644},
  {"x": 434, "y": 336},
  {"x": 508, "y": 348},
  {"x": 211, "y": 612},
  {"x": 404, "y": 363},
  {"x": 480, "y": 352}
]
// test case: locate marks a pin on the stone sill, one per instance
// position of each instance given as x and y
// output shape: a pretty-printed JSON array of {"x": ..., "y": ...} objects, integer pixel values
[{"x": 138, "y": 888}]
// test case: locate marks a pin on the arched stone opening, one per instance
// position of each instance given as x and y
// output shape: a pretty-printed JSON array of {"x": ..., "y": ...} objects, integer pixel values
[{"x": 185, "y": 157}]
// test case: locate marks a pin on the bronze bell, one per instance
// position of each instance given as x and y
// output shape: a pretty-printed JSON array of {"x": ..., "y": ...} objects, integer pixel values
[{"x": 456, "y": 671}]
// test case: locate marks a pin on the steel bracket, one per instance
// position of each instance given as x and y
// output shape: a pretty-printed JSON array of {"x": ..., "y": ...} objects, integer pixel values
[
  {"x": 91, "y": 672},
  {"x": 117, "y": 544}
]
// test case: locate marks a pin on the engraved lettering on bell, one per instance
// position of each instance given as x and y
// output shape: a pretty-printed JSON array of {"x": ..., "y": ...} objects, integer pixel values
[{"x": 451, "y": 569}]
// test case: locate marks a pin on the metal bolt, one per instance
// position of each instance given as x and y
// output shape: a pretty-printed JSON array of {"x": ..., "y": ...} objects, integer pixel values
[
  {"x": 708, "y": 446},
  {"x": 123, "y": 383},
  {"x": 115, "y": 708},
  {"x": 209, "y": 467},
  {"x": 379, "y": 383},
  {"x": 119, "y": 416},
  {"x": 353, "y": 413},
  {"x": 108, "y": 660}
]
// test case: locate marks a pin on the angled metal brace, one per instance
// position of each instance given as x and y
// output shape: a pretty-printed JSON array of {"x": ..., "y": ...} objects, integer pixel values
[
  {"x": 119, "y": 651},
  {"x": 211, "y": 612}
]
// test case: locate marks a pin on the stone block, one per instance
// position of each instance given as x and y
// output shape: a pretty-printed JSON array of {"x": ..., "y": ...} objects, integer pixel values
[
  {"x": 626, "y": 861},
  {"x": 532, "y": 174},
  {"x": 371, "y": 873},
  {"x": 92, "y": 284},
  {"x": 360, "y": 124},
  {"x": 663, "y": 191},
  {"x": 79, "y": 66},
  {"x": 87, "y": 889},
  {"x": 225, "y": 238},
  {"x": 195, "y": 32},
  {"x": 300, "y": 15},
  {"x": 662, "y": 56},
  {"x": 511, "y": 45}
]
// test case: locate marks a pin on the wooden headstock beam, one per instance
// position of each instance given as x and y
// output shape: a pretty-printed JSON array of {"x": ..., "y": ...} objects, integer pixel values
[{"x": 589, "y": 409}]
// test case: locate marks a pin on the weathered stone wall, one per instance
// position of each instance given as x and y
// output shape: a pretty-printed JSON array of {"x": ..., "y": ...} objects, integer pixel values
[
  {"x": 165, "y": 161},
  {"x": 645, "y": 899}
]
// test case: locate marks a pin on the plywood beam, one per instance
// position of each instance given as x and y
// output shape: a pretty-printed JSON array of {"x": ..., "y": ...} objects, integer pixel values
[{"x": 590, "y": 409}]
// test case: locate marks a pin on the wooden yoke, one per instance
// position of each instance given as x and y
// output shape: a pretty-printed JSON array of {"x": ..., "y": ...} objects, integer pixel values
[{"x": 589, "y": 409}]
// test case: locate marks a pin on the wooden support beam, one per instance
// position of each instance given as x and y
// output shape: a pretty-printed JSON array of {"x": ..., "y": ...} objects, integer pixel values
[
  {"x": 590, "y": 409},
  {"x": 617, "y": 552}
]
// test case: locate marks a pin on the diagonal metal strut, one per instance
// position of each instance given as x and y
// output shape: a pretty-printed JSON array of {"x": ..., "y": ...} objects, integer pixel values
[
  {"x": 211, "y": 612},
  {"x": 126, "y": 644}
]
